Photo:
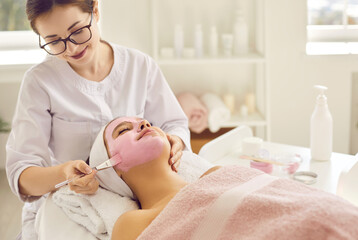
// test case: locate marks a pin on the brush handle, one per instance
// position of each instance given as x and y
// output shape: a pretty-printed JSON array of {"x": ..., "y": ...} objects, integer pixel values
[
  {"x": 262, "y": 160},
  {"x": 68, "y": 181}
]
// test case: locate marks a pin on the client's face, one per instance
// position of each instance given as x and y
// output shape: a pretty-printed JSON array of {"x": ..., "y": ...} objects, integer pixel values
[{"x": 133, "y": 141}]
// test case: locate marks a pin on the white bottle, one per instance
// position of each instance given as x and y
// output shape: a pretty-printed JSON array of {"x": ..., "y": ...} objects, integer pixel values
[
  {"x": 241, "y": 34},
  {"x": 321, "y": 128},
  {"x": 178, "y": 40},
  {"x": 198, "y": 41},
  {"x": 213, "y": 42}
]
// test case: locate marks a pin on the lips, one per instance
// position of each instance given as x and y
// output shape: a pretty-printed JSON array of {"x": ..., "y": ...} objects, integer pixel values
[
  {"x": 80, "y": 55},
  {"x": 144, "y": 132}
]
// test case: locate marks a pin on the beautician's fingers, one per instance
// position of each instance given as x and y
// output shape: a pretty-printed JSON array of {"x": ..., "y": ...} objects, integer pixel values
[
  {"x": 176, "y": 165},
  {"x": 83, "y": 167},
  {"x": 91, "y": 188},
  {"x": 175, "y": 161},
  {"x": 85, "y": 185},
  {"x": 176, "y": 144},
  {"x": 85, "y": 180},
  {"x": 75, "y": 168}
]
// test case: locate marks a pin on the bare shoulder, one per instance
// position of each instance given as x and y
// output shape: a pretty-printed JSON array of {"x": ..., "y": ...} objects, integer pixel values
[
  {"x": 131, "y": 224},
  {"x": 213, "y": 169}
]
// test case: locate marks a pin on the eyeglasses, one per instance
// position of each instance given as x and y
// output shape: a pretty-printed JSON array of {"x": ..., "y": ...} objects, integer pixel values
[{"x": 80, "y": 36}]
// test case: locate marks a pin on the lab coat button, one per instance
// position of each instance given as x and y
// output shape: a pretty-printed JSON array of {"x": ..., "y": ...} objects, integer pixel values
[{"x": 99, "y": 88}]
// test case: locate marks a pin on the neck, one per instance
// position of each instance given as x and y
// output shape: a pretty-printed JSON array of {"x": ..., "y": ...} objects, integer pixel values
[{"x": 154, "y": 183}]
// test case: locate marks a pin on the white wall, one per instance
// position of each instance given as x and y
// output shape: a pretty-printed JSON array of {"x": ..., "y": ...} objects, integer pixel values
[
  {"x": 126, "y": 23},
  {"x": 292, "y": 75}
]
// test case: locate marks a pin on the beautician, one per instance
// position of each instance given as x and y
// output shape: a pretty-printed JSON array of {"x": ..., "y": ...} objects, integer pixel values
[{"x": 83, "y": 83}]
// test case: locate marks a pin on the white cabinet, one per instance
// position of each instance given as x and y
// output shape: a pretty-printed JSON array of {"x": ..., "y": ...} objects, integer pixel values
[{"x": 237, "y": 75}]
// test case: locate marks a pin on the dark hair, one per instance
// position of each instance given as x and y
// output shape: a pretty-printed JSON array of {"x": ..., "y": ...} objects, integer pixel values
[{"x": 34, "y": 8}]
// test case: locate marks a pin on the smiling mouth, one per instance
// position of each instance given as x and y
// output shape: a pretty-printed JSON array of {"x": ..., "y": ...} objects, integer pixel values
[{"x": 81, "y": 54}]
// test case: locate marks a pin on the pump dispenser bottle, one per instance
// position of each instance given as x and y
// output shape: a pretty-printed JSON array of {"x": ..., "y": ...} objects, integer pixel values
[{"x": 321, "y": 128}]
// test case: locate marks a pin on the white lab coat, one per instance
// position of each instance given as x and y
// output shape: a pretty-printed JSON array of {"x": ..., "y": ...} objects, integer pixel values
[{"x": 59, "y": 113}]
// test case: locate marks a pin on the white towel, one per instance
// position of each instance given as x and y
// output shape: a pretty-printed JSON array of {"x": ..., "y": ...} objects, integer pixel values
[
  {"x": 192, "y": 166},
  {"x": 218, "y": 111},
  {"x": 97, "y": 213}
]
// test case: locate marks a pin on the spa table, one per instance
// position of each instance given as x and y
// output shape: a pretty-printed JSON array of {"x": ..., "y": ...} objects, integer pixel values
[{"x": 328, "y": 171}]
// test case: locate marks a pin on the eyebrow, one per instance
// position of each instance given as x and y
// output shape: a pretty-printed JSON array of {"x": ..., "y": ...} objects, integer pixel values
[
  {"x": 68, "y": 29},
  {"x": 120, "y": 125}
]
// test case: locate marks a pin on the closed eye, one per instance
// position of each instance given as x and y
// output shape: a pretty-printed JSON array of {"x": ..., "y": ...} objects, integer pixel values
[{"x": 123, "y": 131}]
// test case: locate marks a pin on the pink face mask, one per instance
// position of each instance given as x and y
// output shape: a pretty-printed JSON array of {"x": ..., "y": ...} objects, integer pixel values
[{"x": 132, "y": 142}]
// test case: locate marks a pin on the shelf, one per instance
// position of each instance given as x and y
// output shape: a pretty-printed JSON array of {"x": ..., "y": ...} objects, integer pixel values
[
  {"x": 217, "y": 74},
  {"x": 252, "y": 120},
  {"x": 250, "y": 58}
]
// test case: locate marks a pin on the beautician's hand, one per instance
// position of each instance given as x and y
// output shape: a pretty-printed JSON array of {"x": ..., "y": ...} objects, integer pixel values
[
  {"x": 177, "y": 146},
  {"x": 85, "y": 181}
]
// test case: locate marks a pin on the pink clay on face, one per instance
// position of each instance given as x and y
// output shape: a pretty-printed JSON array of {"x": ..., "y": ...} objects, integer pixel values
[{"x": 135, "y": 145}]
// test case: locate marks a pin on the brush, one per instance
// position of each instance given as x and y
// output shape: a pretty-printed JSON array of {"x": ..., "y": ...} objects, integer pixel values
[
  {"x": 262, "y": 160},
  {"x": 107, "y": 164}
]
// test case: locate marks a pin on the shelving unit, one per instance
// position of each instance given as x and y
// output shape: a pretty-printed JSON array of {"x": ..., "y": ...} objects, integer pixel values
[{"x": 236, "y": 74}]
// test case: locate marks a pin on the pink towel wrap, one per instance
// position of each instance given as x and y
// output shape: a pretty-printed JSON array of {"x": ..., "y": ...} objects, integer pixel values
[
  {"x": 242, "y": 203},
  {"x": 195, "y": 110}
]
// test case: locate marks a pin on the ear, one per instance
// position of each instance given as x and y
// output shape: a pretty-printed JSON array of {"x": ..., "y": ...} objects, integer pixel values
[{"x": 95, "y": 10}]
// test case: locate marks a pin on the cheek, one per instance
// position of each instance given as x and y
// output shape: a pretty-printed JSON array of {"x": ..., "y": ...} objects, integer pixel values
[
  {"x": 133, "y": 153},
  {"x": 125, "y": 142}
]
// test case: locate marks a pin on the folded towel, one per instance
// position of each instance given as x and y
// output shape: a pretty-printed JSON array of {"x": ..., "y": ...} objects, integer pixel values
[
  {"x": 218, "y": 111},
  {"x": 192, "y": 166},
  {"x": 235, "y": 202},
  {"x": 97, "y": 213},
  {"x": 195, "y": 111}
]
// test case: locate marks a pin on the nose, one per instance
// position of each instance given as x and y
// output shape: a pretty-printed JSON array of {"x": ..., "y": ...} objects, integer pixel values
[
  {"x": 143, "y": 124},
  {"x": 71, "y": 47}
]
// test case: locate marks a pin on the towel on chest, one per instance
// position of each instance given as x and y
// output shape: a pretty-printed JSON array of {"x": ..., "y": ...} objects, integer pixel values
[{"x": 242, "y": 203}]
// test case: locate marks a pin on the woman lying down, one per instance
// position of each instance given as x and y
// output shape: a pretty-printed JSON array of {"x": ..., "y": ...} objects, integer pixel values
[{"x": 225, "y": 203}]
